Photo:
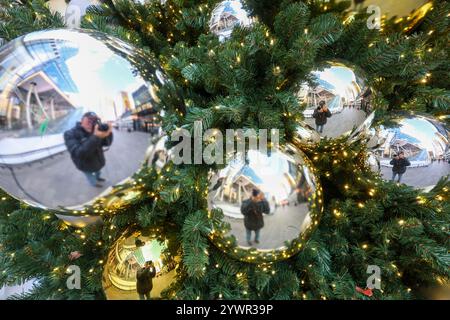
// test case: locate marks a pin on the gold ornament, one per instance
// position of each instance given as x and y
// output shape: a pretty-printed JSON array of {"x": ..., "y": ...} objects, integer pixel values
[
  {"x": 276, "y": 193},
  {"x": 130, "y": 254},
  {"x": 79, "y": 221}
]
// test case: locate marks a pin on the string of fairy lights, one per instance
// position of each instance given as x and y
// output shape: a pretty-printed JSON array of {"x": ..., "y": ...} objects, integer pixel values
[{"x": 339, "y": 152}]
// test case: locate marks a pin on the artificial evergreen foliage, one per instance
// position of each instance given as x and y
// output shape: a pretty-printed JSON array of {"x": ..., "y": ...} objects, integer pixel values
[{"x": 250, "y": 81}]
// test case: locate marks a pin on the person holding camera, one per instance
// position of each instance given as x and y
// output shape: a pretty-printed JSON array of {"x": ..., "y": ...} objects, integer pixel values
[
  {"x": 144, "y": 280},
  {"x": 321, "y": 113},
  {"x": 85, "y": 144},
  {"x": 399, "y": 164},
  {"x": 253, "y": 209}
]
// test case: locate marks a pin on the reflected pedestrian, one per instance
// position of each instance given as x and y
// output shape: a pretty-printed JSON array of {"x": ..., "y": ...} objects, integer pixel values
[
  {"x": 144, "y": 280},
  {"x": 399, "y": 164},
  {"x": 85, "y": 144},
  {"x": 321, "y": 114},
  {"x": 253, "y": 209}
]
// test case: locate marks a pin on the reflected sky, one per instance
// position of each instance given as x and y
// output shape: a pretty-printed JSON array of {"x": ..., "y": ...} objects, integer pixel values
[
  {"x": 421, "y": 129},
  {"x": 340, "y": 78},
  {"x": 267, "y": 173},
  {"x": 98, "y": 72}
]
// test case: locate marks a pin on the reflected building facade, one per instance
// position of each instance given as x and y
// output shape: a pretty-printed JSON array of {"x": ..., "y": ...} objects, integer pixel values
[
  {"x": 40, "y": 98},
  {"x": 145, "y": 117},
  {"x": 282, "y": 181},
  {"x": 35, "y": 97}
]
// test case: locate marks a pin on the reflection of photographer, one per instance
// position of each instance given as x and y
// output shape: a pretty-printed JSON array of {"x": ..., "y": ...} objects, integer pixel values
[
  {"x": 321, "y": 113},
  {"x": 253, "y": 210},
  {"x": 144, "y": 280},
  {"x": 85, "y": 144},
  {"x": 399, "y": 164}
]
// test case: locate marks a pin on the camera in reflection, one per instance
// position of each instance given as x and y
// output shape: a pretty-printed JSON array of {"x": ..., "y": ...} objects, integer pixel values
[{"x": 102, "y": 126}]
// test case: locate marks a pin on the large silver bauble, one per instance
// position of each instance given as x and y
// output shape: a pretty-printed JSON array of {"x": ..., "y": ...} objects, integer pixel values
[
  {"x": 346, "y": 99},
  {"x": 425, "y": 143},
  {"x": 56, "y": 87},
  {"x": 276, "y": 193},
  {"x": 227, "y": 15}
]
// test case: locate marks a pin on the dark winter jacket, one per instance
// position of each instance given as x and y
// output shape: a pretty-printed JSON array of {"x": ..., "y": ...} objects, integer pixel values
[
  {"x": 144, "y": 280},
  {"x": 253, "y": 213},
  {"x": 399, "y": 165},
  {"x": 321, "y": 117},
  {"x": 86, "y": 149}
]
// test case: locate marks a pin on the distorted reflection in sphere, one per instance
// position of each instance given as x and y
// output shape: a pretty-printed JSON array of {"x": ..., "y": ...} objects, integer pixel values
[
  {"x": 414, "y": 10},
  {"x": 158, "y": 155},
  {"x": 373, "y": 162},
  {"x": 363, "y": 132},
  {"x": 375, "y": 138},
  {"x": 337, "y": 100},
  {"x": 416, "y": 151},
  {"x": 227, "y": 15},
  {"x": 143, "y": 2},
  {"x": 79, "y": 221},
  {"x": 305, "y": 135},
  {"x": 78, "y": 110},
  {"x": 139, "y": 263},
  {"x": 270, "y": 204}
]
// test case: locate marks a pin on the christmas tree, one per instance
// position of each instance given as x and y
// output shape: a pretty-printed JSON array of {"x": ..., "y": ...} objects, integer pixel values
[{"x": 251, "y": 80}]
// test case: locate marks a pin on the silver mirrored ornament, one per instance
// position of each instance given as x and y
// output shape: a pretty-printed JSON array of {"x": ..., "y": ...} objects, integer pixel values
[
  {"x": 158, "y": 155},
  {"x": 128, "y": 272},
  {"x": 78, "y": 110},
  {"x": 305, "y": 135},
  {"x": 337, "y": 100},
  {"x": 415, "y": 152},
  {"x": 268, "y": 203},
  {"x": 227, "y": 15},
  {"x": 373, "y": 162}
]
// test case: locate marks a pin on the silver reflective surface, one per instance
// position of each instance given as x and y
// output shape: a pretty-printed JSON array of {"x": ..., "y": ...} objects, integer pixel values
[
  {"x": 305, "y": 135},
  {"x": 270, "y": 203},
  {"x": 373, "y": 162},
  {"x": 57, "y": 87},
  {"x": 225, "y": 16},
  {"x": 425, "y": 143},
  {"x": 128, "y": 256},
  {"x": 345, "y": 96},
  {"x": 157, "y": 154}
]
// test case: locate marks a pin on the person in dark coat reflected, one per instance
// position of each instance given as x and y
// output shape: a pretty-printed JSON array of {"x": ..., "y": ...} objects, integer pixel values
[
  {"x": 399, "y": 164},
  {"x": 253, "y": 209},
  {"x": 321, "y": 113},
  {"x": 144, "y": 280},
  {"x": 85, "y": 144}
]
